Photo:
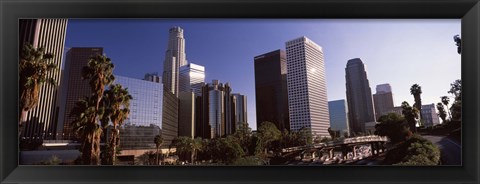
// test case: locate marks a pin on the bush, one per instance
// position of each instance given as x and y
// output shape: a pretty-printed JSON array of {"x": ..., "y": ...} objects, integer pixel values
[
  {"x": 251, "y": 160},
  {"x": 414, "y": 151}
]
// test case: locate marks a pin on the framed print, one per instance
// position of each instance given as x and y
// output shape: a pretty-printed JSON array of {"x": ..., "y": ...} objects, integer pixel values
[{"x": 248, "y": 91}]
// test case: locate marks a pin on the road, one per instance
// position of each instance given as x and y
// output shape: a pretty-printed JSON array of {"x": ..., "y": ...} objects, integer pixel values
[{"x": 451, "y": 151}]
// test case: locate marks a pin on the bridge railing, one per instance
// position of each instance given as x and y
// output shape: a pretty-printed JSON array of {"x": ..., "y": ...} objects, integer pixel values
[{"x": 353, "y": 140}]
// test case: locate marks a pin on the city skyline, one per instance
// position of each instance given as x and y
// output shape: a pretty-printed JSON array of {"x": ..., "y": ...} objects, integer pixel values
[{"x": 234, "y": 56}]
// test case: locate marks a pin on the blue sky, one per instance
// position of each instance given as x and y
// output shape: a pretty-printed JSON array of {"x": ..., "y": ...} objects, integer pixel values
[{"x": 399, "y": 52}]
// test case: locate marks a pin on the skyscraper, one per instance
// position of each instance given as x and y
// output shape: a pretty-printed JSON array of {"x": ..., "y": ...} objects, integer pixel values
[
  {"x": 359, "y": 96},
  {"x": 41, "y": 121},
  {"x": 383, "y": 100},
  {"x": 430, "y": 116},
  {"x": 152, "y": 77},
  {"x": 239, "y": 110},
  {"x": 271, "y": 96},
  {"x": 74, "y": 87},
  {"x": 145, "y": 119},
  {"x": 174, "y": 59},
  {"x": 216, "y": 110},
  {"x": 338, "y": 115},
  {"x": 191, "y": 78},
  {"x": 186, "y": 114},
  {"x": 307, "y": 88}
]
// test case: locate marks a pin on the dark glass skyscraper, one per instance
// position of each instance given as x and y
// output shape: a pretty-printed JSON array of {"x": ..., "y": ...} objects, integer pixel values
[
  {"x": 73, "y": 86},
  {"x": 359, "y": 96},
  {"x": 271, "y": 89}
]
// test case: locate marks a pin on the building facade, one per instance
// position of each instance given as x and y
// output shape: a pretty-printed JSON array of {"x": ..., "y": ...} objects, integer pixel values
[
  {"x": 192, "y": 76},
  {"x": 271, "y": 97},
  {"x": 186, "y": 114},
  {"x": 239, "y": 111},
  {"x": 383, "y": 100},
  {"x": 153, "y": 77},
  {"x": 145, "y": 118},
  {"x": 307, "y": 88},
  {"x": 359, "y": 96},
  {"x": 430, "y": 116},
  {"x": 74, "y": 87},
  {"x": 174, "y": 59},
  {"x": 216, "y": 110},
  {"x": 41, "y": 121},
  {"x": 338, "y": 115}
]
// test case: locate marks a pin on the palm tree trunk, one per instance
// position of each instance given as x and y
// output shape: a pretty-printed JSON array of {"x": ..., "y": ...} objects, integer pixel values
[
  {"x": 22, "y": 118},
  {"x": 158, "y": 162},
  {"x": 114, "y": 143},
  {"x": 193, "y": 154}
]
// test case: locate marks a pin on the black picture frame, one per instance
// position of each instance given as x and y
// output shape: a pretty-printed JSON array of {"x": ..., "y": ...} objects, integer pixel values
[{"x": 466, "y": 10}]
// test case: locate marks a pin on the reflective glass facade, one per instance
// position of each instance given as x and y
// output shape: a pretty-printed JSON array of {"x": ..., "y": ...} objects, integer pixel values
[
  {"x": 359, "y": 96},
  {"x": 338, "y": 115},
  {"x": 145, "y": 119}
]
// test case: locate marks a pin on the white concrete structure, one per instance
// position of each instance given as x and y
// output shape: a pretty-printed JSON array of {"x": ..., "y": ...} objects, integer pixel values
[
  {"x": 41, "y": 121},
  {"x": 174, "y": 59},
  {"x": 191, "y": 78},
  {"x": 307, "y": 89}
]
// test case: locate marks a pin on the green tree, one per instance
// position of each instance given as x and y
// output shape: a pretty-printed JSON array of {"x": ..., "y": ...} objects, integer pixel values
[
  {"x": 34, "y": 67},
  {"x": 393, "y": 126},
  {"x": 445, "y": 101},
  {"x": 456, "y": 108},
  {"x": 99, "y": 73},
  {"x": 196, "y": 145},
  {"x": 83, "y": 112},
  {"x": 304, "y": 136},
  {"x": 116, "y": 102},
  {"x": 267, "y": 133},
  {"x": 158, "y": 140},
  {"x": 414, "y": 151},
  {"x": 183, "y": 145},
  {"x": 243, "y": 135},
  {"x": 441, "y": 112},
  {"x": 416, "y": 91},
  {"x": 411, "y": 115}
]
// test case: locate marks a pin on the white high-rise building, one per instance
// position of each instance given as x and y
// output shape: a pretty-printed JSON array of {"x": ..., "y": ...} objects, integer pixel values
[
  {"x": 307, "y": 88},
  {"x": 174, "y": 59},
  {"x": 192, "y": 76}
]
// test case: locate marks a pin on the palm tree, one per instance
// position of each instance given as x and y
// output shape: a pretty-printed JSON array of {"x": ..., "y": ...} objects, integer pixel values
[
  {"x": 445, "y": 101},
  {"x": 117, "y": 102},
  {"x": 34, "y": 69},
  {"x": 99, "y": 72},
  {"x": 158, "y": 140},
  {"x": 441, "y": 111},
  {"x": 196, "y": 145},
  {"x": 411, "y": 115},
  {"x": 416, "y": 91},
  {"x": 89, "y": 133}
]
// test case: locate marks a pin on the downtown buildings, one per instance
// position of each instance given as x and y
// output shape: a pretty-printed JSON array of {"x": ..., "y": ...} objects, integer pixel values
[
  {"x": 41, "y": 121},
  {"x": 339, "y": 116},
  {"x": 430, "y": 116},
  {"x": 174, "y": 59},
  {"x": 271, "y": 89},
  {"x": 306, "y": 84},
  {"x": 383, "y": 100},
  {"x": 359, "y": 97},
  {"x": 73, "y": 86},
  {"x": 153, "y": 111}
]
